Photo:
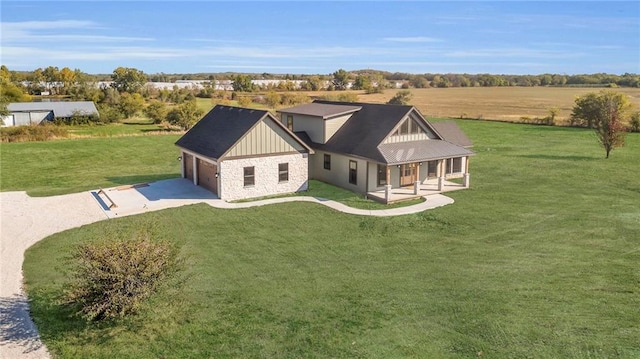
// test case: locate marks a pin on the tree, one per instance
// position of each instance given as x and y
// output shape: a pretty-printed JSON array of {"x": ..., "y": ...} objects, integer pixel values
[
  {"x": 340, "y": 79},
  {"x": 402, "y": 97},
  {"x": 604, "y": 112},
  {"x": 242, "y": 83},
  {"x": 156, "y": 111},
  {"x": 130, "y": 104},
  {"x": 128, "y": 79},
  {"x": 186, "y": 115}
]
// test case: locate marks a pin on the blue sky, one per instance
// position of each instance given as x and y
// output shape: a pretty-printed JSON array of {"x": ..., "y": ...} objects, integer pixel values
[{"x": 306, "y": 37}]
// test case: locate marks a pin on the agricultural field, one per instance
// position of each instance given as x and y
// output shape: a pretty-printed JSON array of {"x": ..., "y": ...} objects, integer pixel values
[
  {"x": 498, "y": 103},
  {"x": 538, "y": 259},
  {"x": 508, "y": 104}
]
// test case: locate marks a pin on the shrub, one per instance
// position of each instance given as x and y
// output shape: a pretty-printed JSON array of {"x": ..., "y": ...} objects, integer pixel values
[
  {"x": 244, "y": 101},
  {"x": 343, "y": 97},
  {"x": 112, "y": 279},
  {"x": 26, "y": 133},
  {"x": 635, "y": 122}
]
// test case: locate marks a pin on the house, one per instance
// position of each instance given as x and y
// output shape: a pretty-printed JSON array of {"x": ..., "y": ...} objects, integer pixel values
[
  {"x": 243, "y": 153},
  {"x": 367, "y": 148},
  {"x": 374, "y": 148},
  {"x": 27, "y": 113}
]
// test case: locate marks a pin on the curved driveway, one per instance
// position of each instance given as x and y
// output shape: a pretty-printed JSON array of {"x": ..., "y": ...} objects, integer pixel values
[{"x": 26, "y": 220}]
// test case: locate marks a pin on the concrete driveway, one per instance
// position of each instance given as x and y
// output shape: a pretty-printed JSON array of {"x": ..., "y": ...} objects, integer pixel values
[{"x": 25, "y": 220}]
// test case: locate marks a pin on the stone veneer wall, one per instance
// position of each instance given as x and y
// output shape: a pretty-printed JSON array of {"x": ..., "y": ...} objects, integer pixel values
[{"x": 266, "y": 176}]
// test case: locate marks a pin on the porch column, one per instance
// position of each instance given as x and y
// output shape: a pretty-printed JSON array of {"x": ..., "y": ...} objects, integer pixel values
[
  {"x": 441, "y": 176},
  {"x": 195, "y": 170},
  {"x": 465, "y": 178},
  {"x": 388, "y": 182}
]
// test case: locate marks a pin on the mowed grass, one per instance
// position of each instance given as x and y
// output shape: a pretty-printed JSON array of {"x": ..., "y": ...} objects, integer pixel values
[
  {"x": 74, "y": 165},
  {"x": 539, "y": 259}
]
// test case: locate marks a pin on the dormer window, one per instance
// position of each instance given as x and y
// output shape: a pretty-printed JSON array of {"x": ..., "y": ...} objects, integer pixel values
[
  {"x": 290, "y": 122},
  {"x": 409, "y": 126}
]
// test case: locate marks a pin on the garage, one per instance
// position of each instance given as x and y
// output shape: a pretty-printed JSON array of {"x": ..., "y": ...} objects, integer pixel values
[
  {"x": 187, "y": 159},
  {"x": 207, "y": 175}
]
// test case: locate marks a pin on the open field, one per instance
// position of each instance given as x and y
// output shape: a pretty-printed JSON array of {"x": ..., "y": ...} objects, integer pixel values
[
  {"x": 497, "y": 103},
  {"x": 539, "y": 259},
  {"x": 488, "y": 103},
  {"x": 73, "y": 165}
]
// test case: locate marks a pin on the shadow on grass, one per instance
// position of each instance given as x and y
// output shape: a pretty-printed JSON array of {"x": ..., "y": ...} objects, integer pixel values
[
  {"x": 131, "y": 180},
  {"x": 558, "y": 157},
  {"x": 57, "y": 323},
  {"x": 163, "y": 130}
]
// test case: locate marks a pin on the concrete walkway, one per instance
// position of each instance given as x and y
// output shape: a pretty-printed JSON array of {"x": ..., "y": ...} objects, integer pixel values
[
  {"x": 179, "y": 192},
  {"x": 25, "y": 220}
]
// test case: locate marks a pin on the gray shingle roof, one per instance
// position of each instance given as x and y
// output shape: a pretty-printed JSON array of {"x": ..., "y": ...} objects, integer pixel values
[
  {"x": 450, "y": 131},
  {"x": 418, "y": 151},
  {"x": 362, "y": 135},
  {"x": 60, "y": 108},
  {"x": 221, "y": 128},
  {"x": 323, "y": 110}
]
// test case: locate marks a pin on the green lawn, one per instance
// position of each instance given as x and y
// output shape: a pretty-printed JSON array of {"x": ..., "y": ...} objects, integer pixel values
[
  {"x": 74, "y": 165},
  {"x": 539, "y": 259}
]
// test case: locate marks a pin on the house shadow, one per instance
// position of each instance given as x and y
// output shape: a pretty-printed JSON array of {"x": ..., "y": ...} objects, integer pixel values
[
  {"x": 132, "y": 180},
  {"x": 558, "y": 157},
  {"x": 174, "y": 189},
  {"x": 17, "y": 327}
]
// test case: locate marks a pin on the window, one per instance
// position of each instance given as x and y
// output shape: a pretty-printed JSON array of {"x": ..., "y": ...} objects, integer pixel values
[
  {"x": 353, "y": 172},
  {"x": 457, "y": 165},
  {"x": 382, "y": 175},
  {"x": 409, "y": 126},
  {"x": 327, "y": 162},
  {"x": 290, "y": 122},
  {"x": 249, "y": 176},
  {"x": 454, "y": 165},
  {"x": 283, "y": 172}
]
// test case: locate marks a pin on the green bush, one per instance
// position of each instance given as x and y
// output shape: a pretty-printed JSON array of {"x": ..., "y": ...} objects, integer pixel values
[
  {"x": 635, "y": 122},
  {"x": 27, "y": 133},
  {"x": 112, "y": 279}
]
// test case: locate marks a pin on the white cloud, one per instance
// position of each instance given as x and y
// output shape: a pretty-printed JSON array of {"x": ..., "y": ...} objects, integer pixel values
[
  {"x": 412, "y": 39},
  {"x": 39, "y": 31}
]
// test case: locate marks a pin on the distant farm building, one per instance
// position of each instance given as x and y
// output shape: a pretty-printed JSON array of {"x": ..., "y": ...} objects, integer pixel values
[{"x": 28, "y": 113}]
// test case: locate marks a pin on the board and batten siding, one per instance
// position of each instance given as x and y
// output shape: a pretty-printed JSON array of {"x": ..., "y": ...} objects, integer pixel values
[
  {"x": 263, "y": 139},
  {"x": 427, "y": 134}
]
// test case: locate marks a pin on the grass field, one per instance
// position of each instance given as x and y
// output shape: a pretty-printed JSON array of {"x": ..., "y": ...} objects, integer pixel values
[
  {"x": 74, "y": 165},
  {"x": 539, "y": 259}
]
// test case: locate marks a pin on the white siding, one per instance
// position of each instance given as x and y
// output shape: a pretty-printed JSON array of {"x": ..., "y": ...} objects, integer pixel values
[{"x": 266, "y": 176}]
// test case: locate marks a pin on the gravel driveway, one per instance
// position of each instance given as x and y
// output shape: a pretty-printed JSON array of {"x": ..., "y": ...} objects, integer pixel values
[{"x": 25, "y": 221}]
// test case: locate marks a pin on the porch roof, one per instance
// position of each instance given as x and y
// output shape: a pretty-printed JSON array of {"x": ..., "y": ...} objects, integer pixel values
[{"x": 419, "y": 151}]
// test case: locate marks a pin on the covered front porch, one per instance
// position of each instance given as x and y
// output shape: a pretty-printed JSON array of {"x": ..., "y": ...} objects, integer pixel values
[{"x": 428, "y": 187}]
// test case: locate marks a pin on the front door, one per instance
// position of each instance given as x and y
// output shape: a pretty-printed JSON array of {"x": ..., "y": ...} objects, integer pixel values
[
  {"x": 407, "y": 174},
  {"x": 432, "y": 169}
]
